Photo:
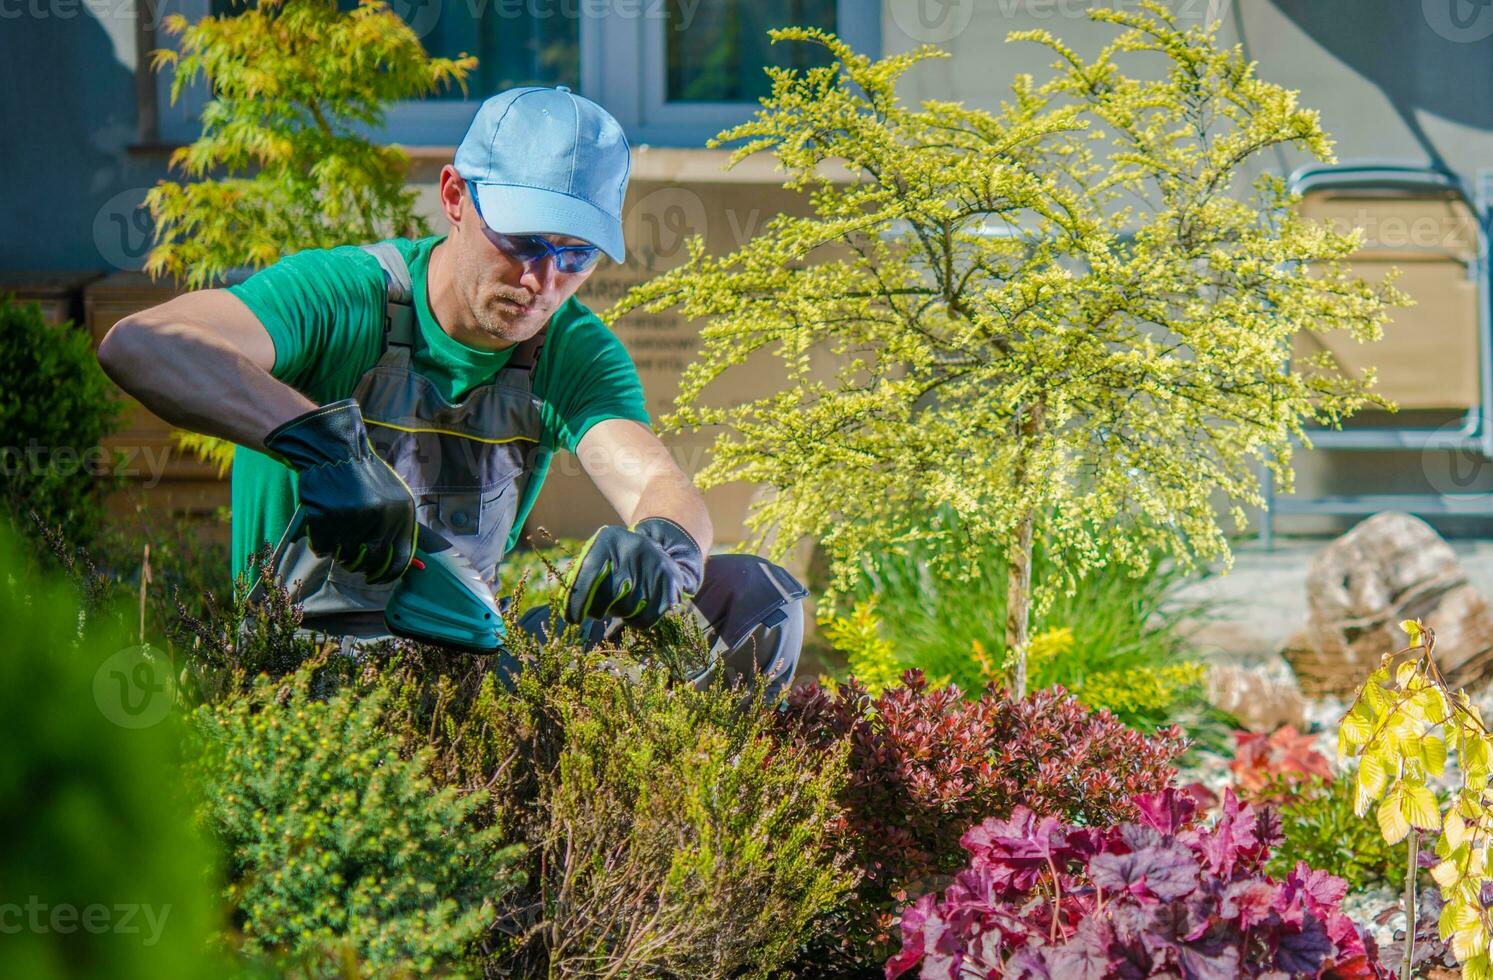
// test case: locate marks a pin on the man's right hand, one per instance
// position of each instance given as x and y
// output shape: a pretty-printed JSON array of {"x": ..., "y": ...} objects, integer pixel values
[{"x": 358, "y": 511}]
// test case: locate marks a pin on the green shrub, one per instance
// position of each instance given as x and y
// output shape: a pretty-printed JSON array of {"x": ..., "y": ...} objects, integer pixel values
[
  {"x": 55, "y": 406},
  {"x": 1321, "y": 829},
  {"x": 92, "y": 809},
  {"x": 339, "y": 849},
  {"x": 1119, "y": 643}
]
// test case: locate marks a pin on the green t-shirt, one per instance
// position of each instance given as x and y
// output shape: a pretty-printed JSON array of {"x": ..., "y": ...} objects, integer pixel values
[{"x": 324, "y": 310}]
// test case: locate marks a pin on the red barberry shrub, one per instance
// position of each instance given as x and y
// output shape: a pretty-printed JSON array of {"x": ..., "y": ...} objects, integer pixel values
[
  {"x": 926, "y": 765},
  {"x": 1275, "y": 768},
  {"x": 1158, "y": 897}
]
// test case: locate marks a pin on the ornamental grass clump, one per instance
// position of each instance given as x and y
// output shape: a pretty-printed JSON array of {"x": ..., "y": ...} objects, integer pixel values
[
  {"x": 1158, "y": 896},
  {"x": 926, "y": 764},
  {"x": 1068, "y": 320}
]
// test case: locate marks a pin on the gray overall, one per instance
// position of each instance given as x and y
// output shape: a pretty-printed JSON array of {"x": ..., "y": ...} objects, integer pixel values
[{"x": 468, "y": 463}]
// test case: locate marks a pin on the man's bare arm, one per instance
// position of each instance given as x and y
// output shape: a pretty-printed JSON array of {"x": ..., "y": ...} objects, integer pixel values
[
  {"x": 202, "y": 361},
  {"x": 635, "y": 472}
]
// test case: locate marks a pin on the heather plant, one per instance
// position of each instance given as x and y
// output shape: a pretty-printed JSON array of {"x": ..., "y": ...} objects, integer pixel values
[
  {"x": 1158, "y": 896},
  {"x": 925, "y": 764},
  {"x": 1067, "y": 320},
  {"x": 670, "y": 832}
]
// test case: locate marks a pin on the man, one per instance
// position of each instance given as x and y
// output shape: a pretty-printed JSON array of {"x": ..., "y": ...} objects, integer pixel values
[{"x": 371, "y": 387}]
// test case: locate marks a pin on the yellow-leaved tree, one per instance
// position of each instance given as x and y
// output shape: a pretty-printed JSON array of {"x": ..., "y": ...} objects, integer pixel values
[
  {"x": 284, "y": 161},
  {"x": 1069, "y": 318}
]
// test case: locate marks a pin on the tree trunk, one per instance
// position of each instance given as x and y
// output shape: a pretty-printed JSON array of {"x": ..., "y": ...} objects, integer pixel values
[
  {"x": 1019, "y": 558},
  {"x": 1019, "y": 599}
]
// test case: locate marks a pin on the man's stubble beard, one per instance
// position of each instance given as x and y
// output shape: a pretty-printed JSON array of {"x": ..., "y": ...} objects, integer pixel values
[{"x": 492, "y": 322}]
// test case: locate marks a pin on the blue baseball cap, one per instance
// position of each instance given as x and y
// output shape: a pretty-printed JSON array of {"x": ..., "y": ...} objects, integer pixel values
[{"x": 547, "y": 162}]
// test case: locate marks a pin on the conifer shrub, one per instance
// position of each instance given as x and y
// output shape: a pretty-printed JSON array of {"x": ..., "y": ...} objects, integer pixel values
[
  {"x": 926, "y": 764},
  {"x": 339, "y": 849}
]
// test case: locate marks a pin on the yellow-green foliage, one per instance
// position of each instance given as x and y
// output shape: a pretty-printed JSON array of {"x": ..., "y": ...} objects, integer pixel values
[
  {"x": 1073, "y": 310},
  {"x": 1137, "y": 689},
  {"x": 1128, "y": 692},
  {"x": 292, "y": 81},
  {"x": 1403, "y": 726},
  {"x": 868, "y": 654}
]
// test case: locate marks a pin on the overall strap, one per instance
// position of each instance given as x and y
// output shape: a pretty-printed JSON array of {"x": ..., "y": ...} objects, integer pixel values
[
  {"x": 526, "y": 356},
  {"x": 399, "y": 311}
]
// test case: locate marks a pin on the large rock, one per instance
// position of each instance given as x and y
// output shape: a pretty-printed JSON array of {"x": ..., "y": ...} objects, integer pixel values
[
  {"x": 1388, "y": 568},
  {"x": 1261, "y": 692}
]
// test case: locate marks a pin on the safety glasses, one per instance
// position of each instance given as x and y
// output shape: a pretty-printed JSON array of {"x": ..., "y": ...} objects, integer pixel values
[{"x": 569, "y": 259}]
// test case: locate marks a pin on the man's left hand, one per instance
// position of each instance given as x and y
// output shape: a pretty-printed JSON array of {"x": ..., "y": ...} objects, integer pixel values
[{"x": 636, "y": 574}]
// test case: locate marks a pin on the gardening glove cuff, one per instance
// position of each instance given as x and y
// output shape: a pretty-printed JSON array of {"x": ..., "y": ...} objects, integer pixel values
[
  {"x": 357, "y": 510},
  {"x": 676, "y": 542},
  {"x": 635, "y": 574}
]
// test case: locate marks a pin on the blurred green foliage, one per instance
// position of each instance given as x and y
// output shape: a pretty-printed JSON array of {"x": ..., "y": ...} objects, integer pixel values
[{"x": 102, "y": 871}]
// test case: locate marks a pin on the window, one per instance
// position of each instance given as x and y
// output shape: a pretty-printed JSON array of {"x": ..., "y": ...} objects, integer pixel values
[
  {"x": 715, "y": 52},
  {"x": 673, "y": 72}
]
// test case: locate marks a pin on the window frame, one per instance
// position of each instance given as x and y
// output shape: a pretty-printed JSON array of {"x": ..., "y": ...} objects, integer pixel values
[{"x": 623, "y": 69}]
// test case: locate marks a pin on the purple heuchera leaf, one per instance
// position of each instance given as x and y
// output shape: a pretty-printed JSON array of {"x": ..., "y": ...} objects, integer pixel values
[
  {"x": 1159, "y": 898},
  {"x": 1221, "y": 963},
  {"x": 1302, "y": 951},
  {"x": 1167, "y": 812},
  {"x": 1166, "y": 873},
  {"x": 1233, "y": 838},
  {"x": 1249, "y": 903}
]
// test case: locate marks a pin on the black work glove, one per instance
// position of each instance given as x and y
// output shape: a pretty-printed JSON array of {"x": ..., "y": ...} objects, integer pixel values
[
  {"x": 635, "y": 574},
  {"x": 358, "y": 511}
]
